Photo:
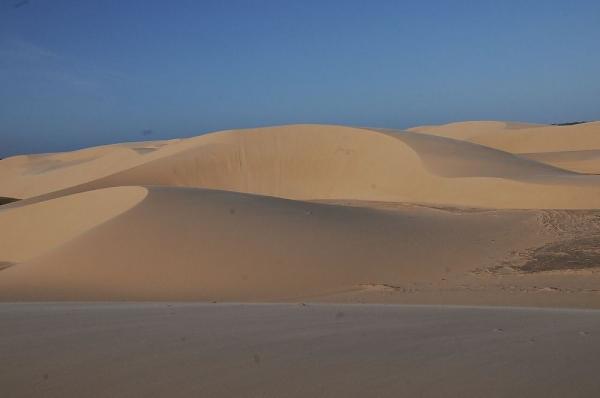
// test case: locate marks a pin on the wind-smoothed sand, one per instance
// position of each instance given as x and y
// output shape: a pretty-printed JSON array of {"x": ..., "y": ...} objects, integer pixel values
[
  {"x": 575, "y": 147},
  {"x": 246, "y": 350},
  {"x": 184, "y": 243},
  {"x": 28, "y": 231},
  {"x": 307, "y": 162},
  {"x": 31, "y": 175}
]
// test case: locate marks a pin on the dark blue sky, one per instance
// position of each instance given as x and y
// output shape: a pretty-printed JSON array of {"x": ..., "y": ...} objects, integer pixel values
[{"x": 75, "y": 73}]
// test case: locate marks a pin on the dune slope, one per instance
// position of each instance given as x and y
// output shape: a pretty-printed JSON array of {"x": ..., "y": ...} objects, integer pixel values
[
  {"x": 27, "y": 231},
  {"x": 184, "y": 243},
  {"x": 571, "y": 147}
]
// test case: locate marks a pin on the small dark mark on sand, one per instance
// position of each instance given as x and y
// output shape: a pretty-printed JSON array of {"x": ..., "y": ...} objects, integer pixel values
[
  {"x": 4, "y": 200},
  {"x": 339, "y": 315},
  {"x": 5, "y": 265},
  {"x": 256, "y": 358}
]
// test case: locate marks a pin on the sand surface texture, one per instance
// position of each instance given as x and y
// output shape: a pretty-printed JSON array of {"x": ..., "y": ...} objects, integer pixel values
[{"x": 246, "y": 350}]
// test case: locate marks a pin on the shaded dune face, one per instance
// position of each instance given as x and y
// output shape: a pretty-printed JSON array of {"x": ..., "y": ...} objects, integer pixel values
[
  {"x": 196, "y": 244},
  {"x": 308, "y": 162}
]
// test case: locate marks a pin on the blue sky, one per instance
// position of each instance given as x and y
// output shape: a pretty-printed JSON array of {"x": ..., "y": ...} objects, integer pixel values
[{"x": 75, "y": 73}]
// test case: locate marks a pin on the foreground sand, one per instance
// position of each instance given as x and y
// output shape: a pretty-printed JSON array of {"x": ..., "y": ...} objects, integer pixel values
[{"x": 265, "y": 350}]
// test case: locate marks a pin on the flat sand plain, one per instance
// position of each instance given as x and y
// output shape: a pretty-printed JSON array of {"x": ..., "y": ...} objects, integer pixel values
[{"x": 294, "y": 350}]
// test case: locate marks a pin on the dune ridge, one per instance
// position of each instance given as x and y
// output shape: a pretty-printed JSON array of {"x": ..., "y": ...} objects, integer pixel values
[{"x": 308, "y": 162}]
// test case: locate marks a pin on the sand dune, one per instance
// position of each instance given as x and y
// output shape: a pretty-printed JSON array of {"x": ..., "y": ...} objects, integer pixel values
[
  {"x": 568, "y": 147},
  {"x": 301, "y": 211},
  {"x": 31, "y": 175},
  {"x": 468, "y": 131},
  {"x": 182, "y": 243},
  {"x": 27, "y": 231},
  {"x": 584, "y": 161},
  {"x": 199, "y": 244},
  {"x": 308, "y": 162}
]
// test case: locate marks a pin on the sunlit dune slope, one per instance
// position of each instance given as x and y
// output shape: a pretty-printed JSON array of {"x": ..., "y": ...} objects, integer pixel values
[
  {"x": 25, "y": 176},
  {"x": 334, "y": 162},
  {"x": 471, "y": 130},
  {"x": 28, "y": 231}
]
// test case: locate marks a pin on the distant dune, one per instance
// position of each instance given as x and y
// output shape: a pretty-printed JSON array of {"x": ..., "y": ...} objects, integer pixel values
[
  {"x": 315, "y": 162},
  {"x": 574, "y": 147},
  {"x": 453, "y": 214}
]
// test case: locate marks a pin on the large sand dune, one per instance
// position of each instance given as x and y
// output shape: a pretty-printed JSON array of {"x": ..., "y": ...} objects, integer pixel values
[
  {"x": 303, "y": 211},
  {"x": 331, "y": 162}
]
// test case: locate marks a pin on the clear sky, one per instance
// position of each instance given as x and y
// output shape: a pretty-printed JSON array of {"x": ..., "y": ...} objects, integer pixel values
[{"x": 75, "y": 73}]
